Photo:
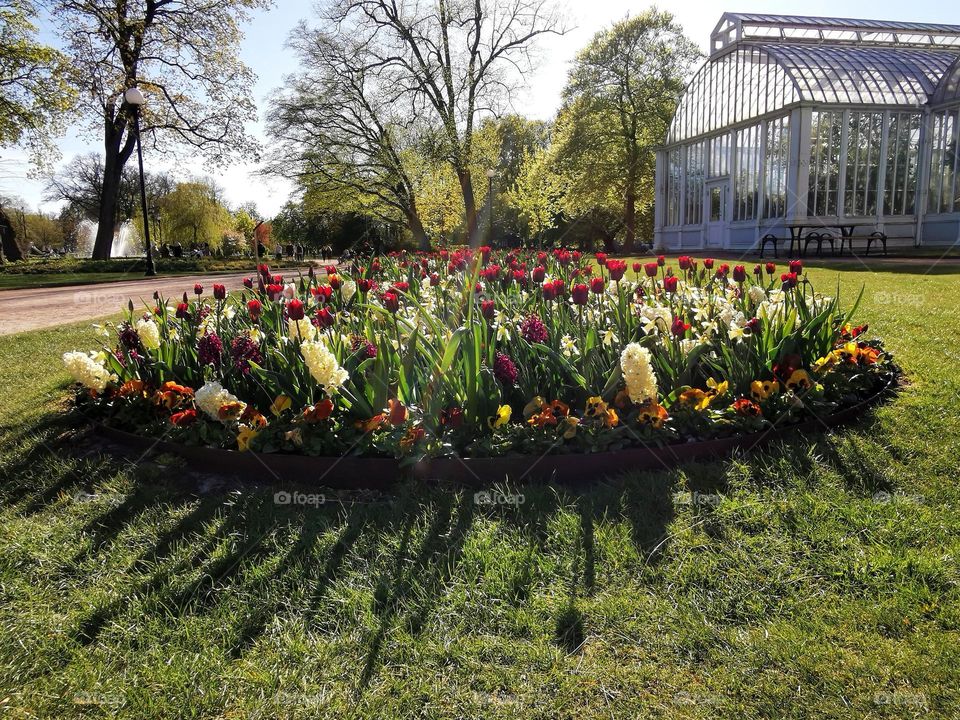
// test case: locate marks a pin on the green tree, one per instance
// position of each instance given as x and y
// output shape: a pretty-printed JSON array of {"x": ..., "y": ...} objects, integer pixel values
[
  {"x": 184, "y": 55},
  {"x": 35, "y": 89},
  {"x": 450, "y": 61},
  {"x": 192, "y": 215},
  {"x": 618, "y": 103}
]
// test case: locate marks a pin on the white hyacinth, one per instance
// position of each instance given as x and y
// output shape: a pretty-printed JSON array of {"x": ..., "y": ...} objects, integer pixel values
[
  {"x": 213, "y": 396},
  {"x": 149, "y": 333},
  {"x": 88, "y": 369},
  {"x": 323, "y": 366},
  {"x": 635, "y": 361},
  {"x": 301, "y": 329},
  {"x": 348, "y": 289}
]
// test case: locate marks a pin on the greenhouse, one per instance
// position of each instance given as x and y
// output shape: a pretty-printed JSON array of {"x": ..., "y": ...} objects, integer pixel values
[{"x": 800, "y": 130}]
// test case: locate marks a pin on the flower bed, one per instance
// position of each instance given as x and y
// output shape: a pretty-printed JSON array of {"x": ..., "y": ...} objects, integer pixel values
[{"x": 477, "y": 354}]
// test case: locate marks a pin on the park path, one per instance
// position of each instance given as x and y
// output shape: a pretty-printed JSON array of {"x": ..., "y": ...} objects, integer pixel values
[{"x": 36, "y": 308}]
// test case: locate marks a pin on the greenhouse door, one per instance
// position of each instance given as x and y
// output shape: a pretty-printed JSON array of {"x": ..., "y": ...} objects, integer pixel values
[{"x": 716, "y": 212}]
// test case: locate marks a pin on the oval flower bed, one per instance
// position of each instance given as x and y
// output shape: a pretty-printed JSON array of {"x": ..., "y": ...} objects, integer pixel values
[{"x": 474, "y": 354}]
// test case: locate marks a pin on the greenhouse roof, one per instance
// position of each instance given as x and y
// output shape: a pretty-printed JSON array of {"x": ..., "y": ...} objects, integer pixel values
[
  {"x": 757, "y": 79},
  {"x": 735, "y": 28}
]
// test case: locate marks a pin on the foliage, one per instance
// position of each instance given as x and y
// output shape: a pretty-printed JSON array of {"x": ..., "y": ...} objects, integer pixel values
[
  {"x": 193, "y": 215},
  {"x": 483, "y": 354},
  {"x": 185, "y": 58},
  {"x": 35, "y": 83},
  {"x": 619, "y": 100}
]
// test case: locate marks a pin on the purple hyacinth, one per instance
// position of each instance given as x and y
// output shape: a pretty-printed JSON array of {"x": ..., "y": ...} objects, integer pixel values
[
  {"x": 359, "y": 343},
  {"x": 243, "y": 350},
  {"x": 210, "y": 349},
  {"x": 504, "y": 369},
  {"x": 533, "y": 330},
  {"x": 129, "y": 337}
]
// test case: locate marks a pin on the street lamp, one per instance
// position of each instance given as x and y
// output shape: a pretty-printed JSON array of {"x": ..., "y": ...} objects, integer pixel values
[
  {"x": 491, "y": 173},
  {"x": 135, "y": 99}
]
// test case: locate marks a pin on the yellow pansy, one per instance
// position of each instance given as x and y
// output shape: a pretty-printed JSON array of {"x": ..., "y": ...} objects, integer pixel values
[
  {"x": 570, "y": 427},
  {"x": 720, "y": 388},
  {"x": 760, "y": 390},
  {"x": 825, "y": 363},
  {"x": 799, "y": 380},
  {"x": 533, "y": 407},
  {"x": 244, "y": 437},
  {"x": 695, "y": 398},
  {"x": 281, "y": 403},
  {"x": 653, "y": 413},
  {"x": 501, "y": 418}
]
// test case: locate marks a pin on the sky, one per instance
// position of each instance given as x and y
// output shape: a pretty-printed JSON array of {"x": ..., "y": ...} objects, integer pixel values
[{"x": 264, "y": 50}]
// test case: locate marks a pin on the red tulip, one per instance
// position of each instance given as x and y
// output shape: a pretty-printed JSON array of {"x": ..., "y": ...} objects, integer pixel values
[
  {"x": 670, "y": 283},
  {"x": 597, "y": 285},
  {"x": 219, "y": 291},
  {"x": 325, "y": 318},
  {"x": 488, "y": 309},
  {"x": 254, "y": 307},
  {"x": 580, "y": 294},
  {"x": 198, "y": 289},
  {"x": 295, "y": 310},
  {"x": 796, "y": 267},
  {"x": 391, "y": 301},
  {"x": 708, "y": 263},
  {"x": 248, "y": 282},
  {"x": 679, "y": 327},
  {"x": 601, "y": 259},
  {"x": 637, "y": 267},
  {"x": 539, "y": 273},
  {"x": 661, "y": 260},
  {"x": 739, "y": 273},
  {"x": 651, "y": 269}
]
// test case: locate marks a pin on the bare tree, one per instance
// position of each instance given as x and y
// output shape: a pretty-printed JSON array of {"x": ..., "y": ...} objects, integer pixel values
[
  {"x": 451, "y": 60},
  {"x": 340, "y": 132},
  {"x": 183, "y": 55}
]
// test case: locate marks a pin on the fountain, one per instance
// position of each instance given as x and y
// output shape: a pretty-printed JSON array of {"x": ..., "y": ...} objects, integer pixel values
[{"x": 126, "y": 241}]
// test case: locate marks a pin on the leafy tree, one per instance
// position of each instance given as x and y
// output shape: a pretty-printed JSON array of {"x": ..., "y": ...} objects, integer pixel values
[
  {"x": 451, "y": 61},
  {"x": 184, "y": 56},
  {"x": 618, "y": 103},
  {"x": 193, "y": 215},
  {"x": 341, "y": 134},
  {"x": 35, "y": 89}
]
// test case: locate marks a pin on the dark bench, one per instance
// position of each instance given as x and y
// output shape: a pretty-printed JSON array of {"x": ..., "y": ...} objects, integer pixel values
[
  {"x": 820, "y": 239},
  {"x": 874, "y": 237},
  {"x": 771, "y": 239}
]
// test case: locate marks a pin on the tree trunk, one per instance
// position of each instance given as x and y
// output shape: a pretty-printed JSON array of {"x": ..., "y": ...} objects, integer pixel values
[
  {"x": 8, "y": 238},
  {"x": 469, "y": 206},
  {"x": 115, "y": 156},
  {"x": 630, "y": 219},
  {"x": 416, "y": 229}
]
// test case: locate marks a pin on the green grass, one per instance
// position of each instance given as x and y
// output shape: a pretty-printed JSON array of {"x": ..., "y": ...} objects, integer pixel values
[{"x": 815, "y": 579}]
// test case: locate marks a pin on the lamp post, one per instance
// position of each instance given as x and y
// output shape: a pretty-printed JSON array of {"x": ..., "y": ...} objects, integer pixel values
[
  {"x": 135, "y": 99},
  {"x": 491, "y": 173}
]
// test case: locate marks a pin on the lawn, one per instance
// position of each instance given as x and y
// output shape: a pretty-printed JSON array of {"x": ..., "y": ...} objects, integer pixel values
[{"x": 818, "y": 578}]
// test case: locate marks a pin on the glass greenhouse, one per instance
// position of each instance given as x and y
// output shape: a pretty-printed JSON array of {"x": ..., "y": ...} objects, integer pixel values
[{"x": 796, "y": 125}]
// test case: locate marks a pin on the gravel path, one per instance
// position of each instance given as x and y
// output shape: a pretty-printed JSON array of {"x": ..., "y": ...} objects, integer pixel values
[{"x": 35, "y": 308}]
